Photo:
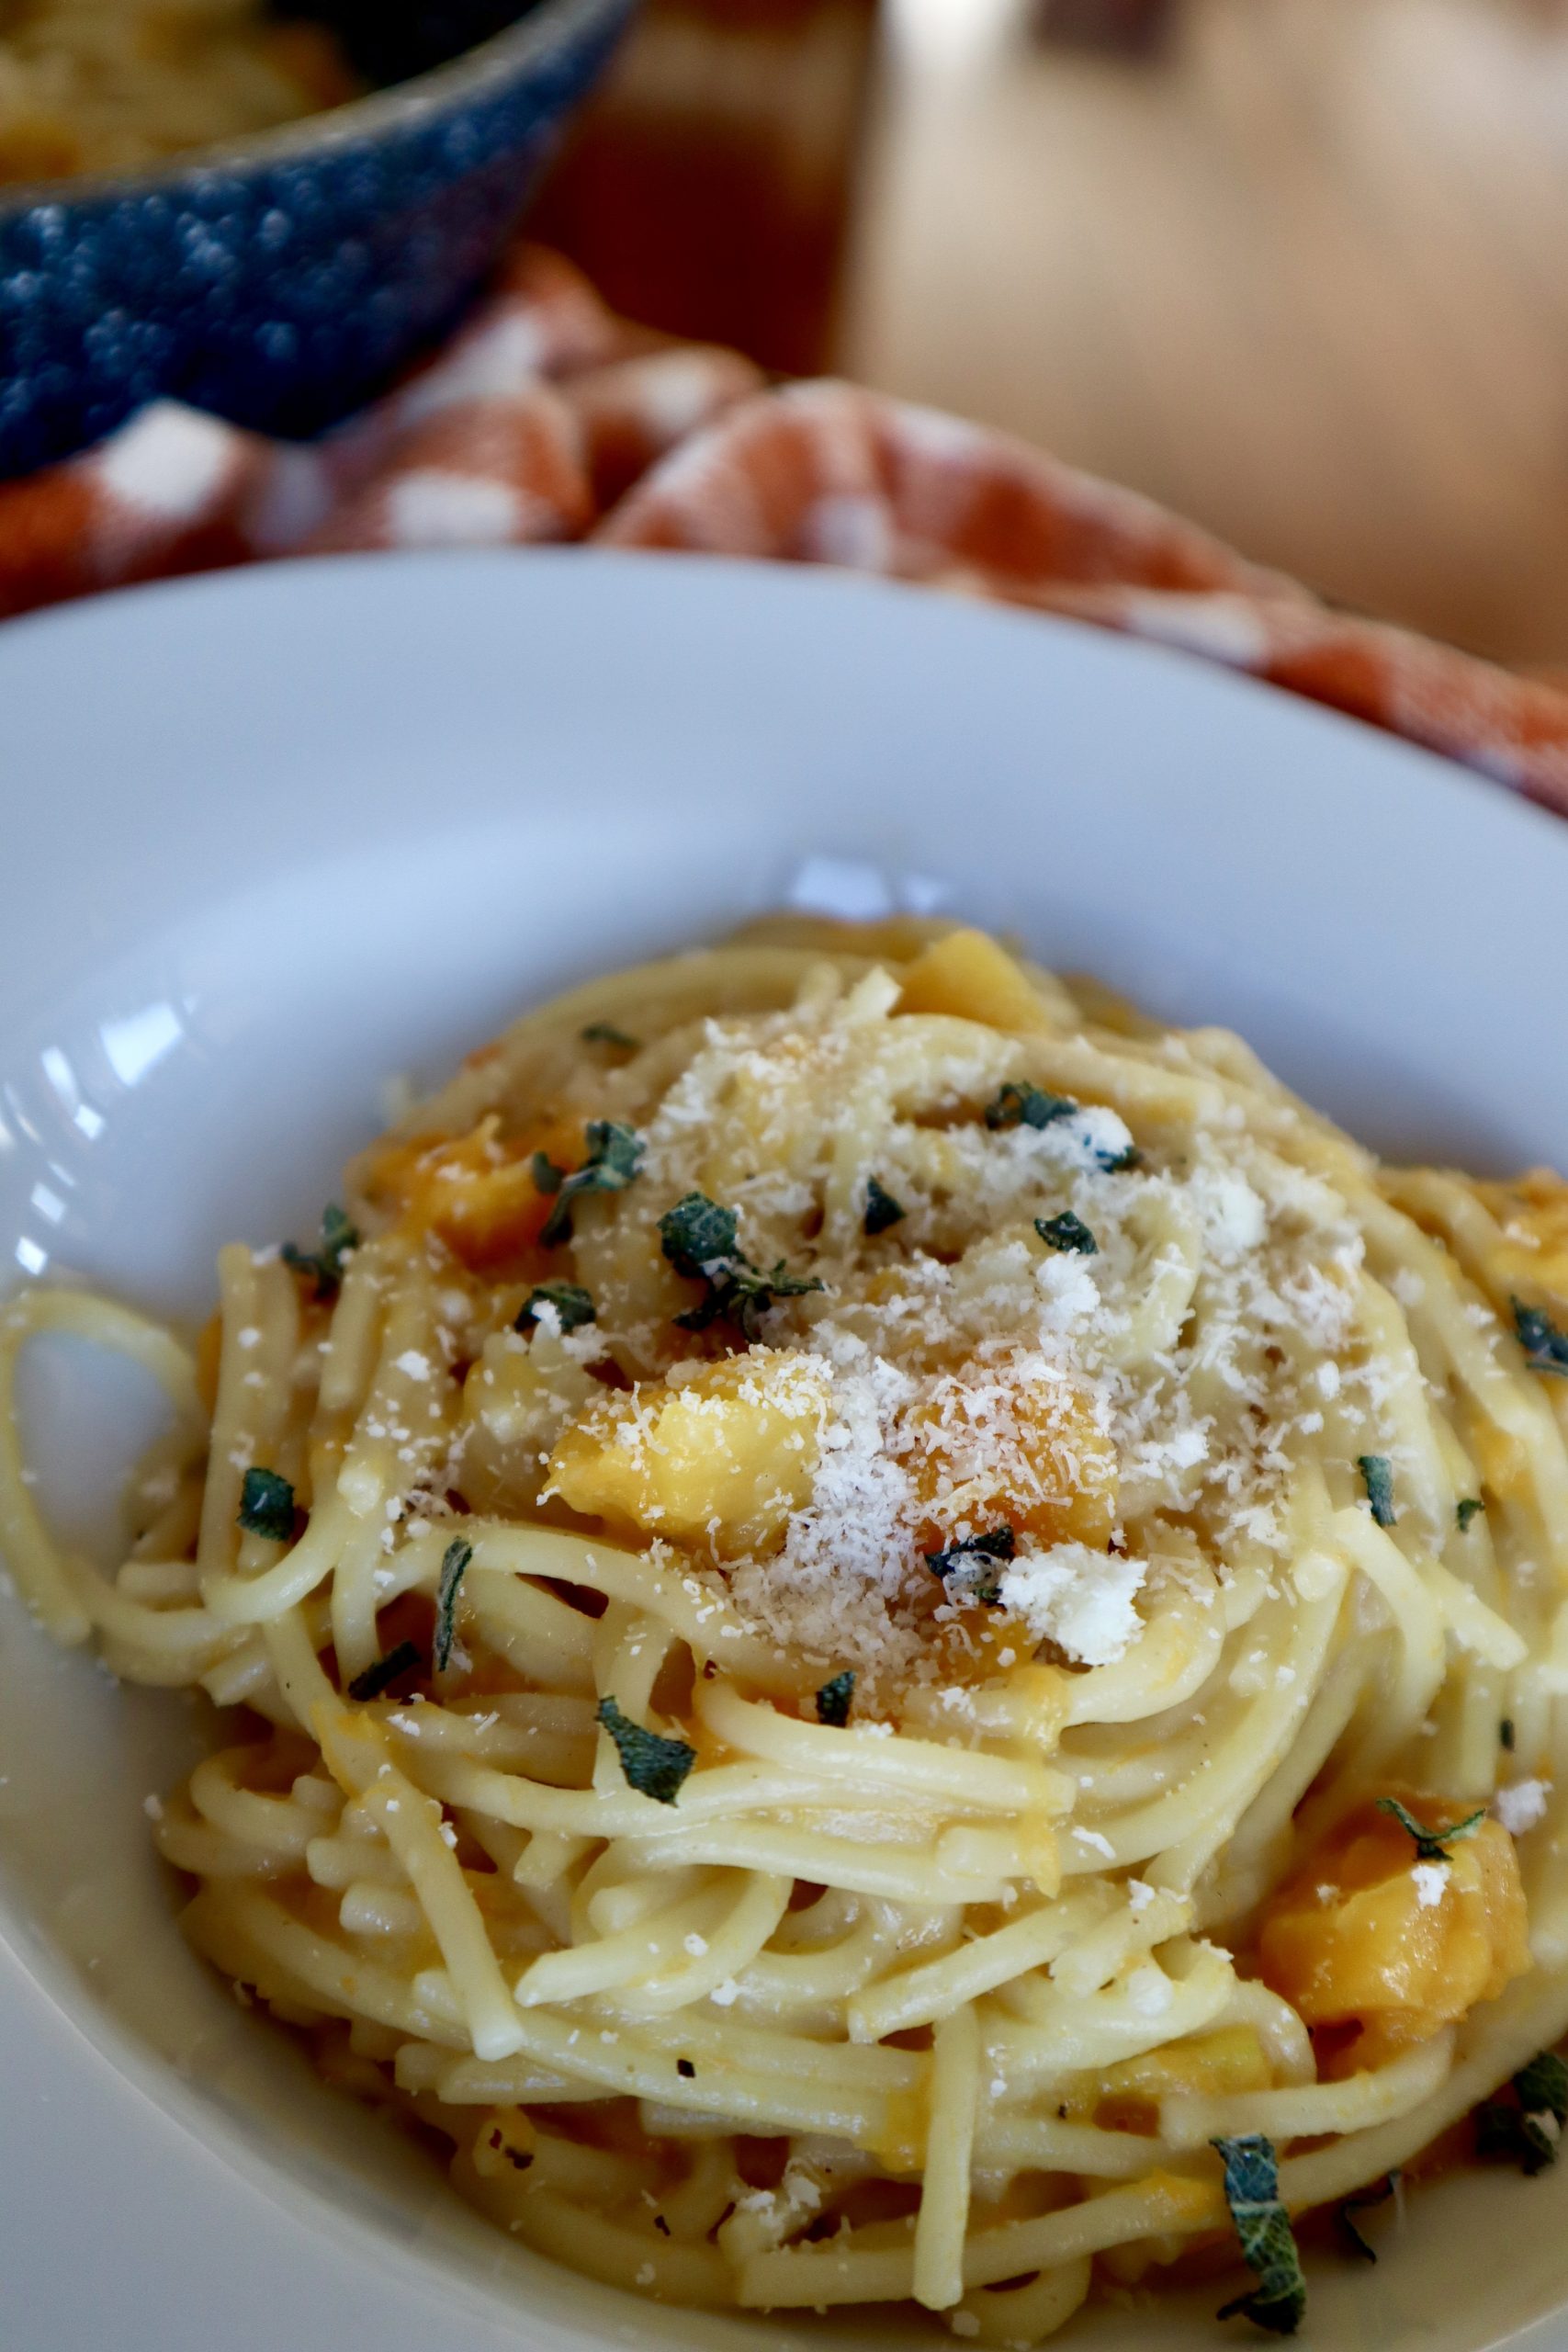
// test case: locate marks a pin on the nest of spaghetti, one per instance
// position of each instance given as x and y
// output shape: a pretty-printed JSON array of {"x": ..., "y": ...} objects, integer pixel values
[{"x": 887, "y": 1634}]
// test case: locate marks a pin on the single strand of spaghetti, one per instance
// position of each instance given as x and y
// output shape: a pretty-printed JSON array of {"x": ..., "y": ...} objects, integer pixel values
[
  {"x": 426, "y": 2066},
  {"x": 943, "y": 2216},
  {"x": 919, "y": 1996},
  {"x": 1417, "y": 1620},
  {"x": 531, "y": 1626},
  {"x": 732, "y": 1946},
  {"x": 240, "y": 1673},
  {"x": 260, "y": 1321},
  {"x": 1470, "y": 1621},
  {"x": 156, "y": 1579},
  {"x": 954, "y": 1775},
  {"x": 1307, "y": 2110},
  {"x": 900, "y": 1873},
  {"x": 30, "y": 1550},
  {"x": 291, "y": 1642},
  {"x": 361, "y": 1763},
  {"x": 339, "y": 1862},
  {"x": 1009, "y": 2141},
  {"x": 349, "y": 1353},
  {"x": 1285, "y": 2039},
  {"x": 367, "y": 1909},
  {"x": 998, "y": 1852},
  {"x": 354, "y": 1599}
]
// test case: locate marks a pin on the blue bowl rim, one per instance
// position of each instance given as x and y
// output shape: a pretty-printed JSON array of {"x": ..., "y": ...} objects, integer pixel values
[{"x": 548, "y": 25}]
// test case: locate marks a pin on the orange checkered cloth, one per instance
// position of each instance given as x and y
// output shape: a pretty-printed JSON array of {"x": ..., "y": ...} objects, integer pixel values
[{"x": 549, "y": 419}]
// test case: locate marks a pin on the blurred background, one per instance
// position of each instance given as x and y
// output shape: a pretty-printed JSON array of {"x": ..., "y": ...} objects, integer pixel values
[{"x": 1293, "y": 266}]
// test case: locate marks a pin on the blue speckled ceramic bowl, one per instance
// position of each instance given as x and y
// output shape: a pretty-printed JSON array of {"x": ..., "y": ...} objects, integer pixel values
[{"x": 279, "y": 280}]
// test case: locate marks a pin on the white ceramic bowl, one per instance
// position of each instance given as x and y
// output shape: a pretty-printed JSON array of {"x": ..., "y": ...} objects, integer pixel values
[{"x": 274, "y": 838}]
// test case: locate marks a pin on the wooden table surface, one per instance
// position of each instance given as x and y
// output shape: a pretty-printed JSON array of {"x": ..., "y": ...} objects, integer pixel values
[{"x": 1297, "y": 268}]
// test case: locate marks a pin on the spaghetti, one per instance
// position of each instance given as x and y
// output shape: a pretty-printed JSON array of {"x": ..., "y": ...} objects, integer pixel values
[{"x": 863, "y": 1600}]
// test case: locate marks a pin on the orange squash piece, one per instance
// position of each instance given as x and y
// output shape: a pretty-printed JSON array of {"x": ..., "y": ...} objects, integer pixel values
[{"x": 1366, "y": 1934}]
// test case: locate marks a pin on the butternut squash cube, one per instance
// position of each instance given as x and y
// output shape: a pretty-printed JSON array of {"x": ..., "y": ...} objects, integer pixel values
[
  {"x": 714, "y": 1459},
  {"x": 967, "y": 976},
  {"x": 1367, "y": 1933}
]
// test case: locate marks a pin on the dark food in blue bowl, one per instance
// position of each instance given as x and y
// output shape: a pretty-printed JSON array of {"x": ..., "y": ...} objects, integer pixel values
[{"x": 279, "y": 280}]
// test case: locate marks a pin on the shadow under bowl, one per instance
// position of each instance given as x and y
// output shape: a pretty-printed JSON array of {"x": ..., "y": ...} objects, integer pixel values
[{"x": 280, "y": 280}]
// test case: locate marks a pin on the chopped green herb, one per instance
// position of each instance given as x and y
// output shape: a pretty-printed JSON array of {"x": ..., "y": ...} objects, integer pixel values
[
  {"x": 454, "y": 1568},
  {"x": 1263, "y": 2229},
  {"x": 1432, "y": 1844},
  {"x": 697, "y": 1235},
  {"x": 1026, "y": 1106},
  {"x": 1529, "y": 2132},
  {"x": 615, "y": 1155},
  {"x": 880, "y": 1209},
  {"x": 699, "y": 1238},
  {"x": 1067, "y": 1232},
  {"x": 1364, "y": 2201},
  {"x": 967, "y": 1569},
  {"x": 386, "y": 1670},
  {"x": 654, "y": 1766},
  {"x": 548, "y": 1178},
  {"x": 604, "y": 1032},
  {"x": 324, "y": 1266},
  {"x": 572, "y": 1304},
  {"x": 1466, "y": 1511},
  {"x": 1506, "y": 1732},
  {"x": 1377, "y": 1473},
  {"x": 266, "y": 1505},
  {"x": 1543, "y": 1343},
  {"x": 833, "y": 1699},
  {"x": 1116, "y": 1162}
]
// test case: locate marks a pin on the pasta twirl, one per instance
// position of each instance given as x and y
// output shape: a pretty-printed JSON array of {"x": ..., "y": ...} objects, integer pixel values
[{"x": 868, "y": 1600}]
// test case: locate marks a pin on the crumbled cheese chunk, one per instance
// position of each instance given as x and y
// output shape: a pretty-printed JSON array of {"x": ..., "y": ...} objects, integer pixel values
[
  {"x": 1080, "y": 1599},
  {"x": 1521, "y": 1804}
]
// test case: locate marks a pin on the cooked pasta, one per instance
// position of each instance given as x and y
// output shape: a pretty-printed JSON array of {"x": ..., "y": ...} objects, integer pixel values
[
  {"x": 111, "y": 85},
  {"x": 862, "y": 1601}
]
